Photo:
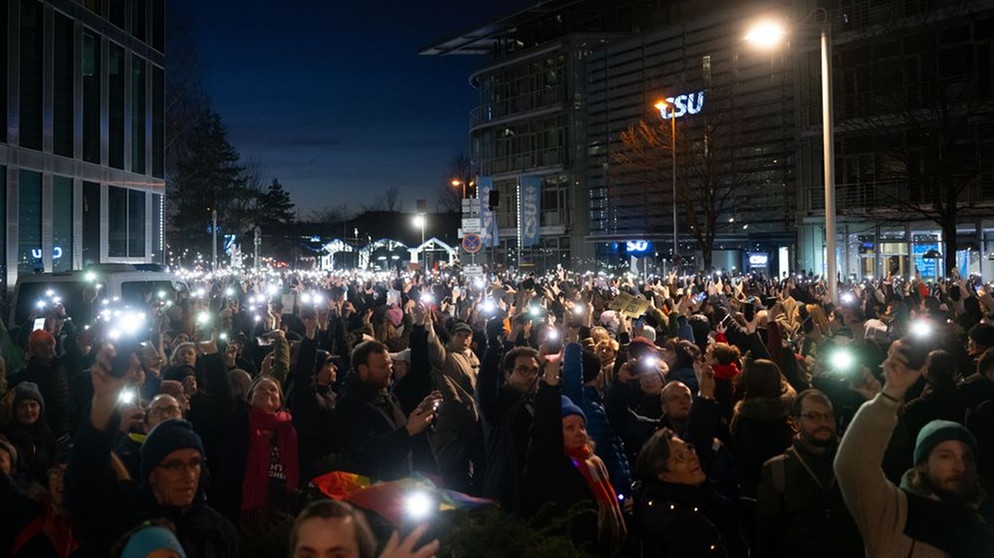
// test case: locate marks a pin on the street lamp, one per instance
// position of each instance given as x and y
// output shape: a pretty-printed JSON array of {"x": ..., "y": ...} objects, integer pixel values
[
  {"x": 769, "y": 34},
  {"x": 456, "y": 183},
  {"x": 419, "y": 221},
  {"x": 662, "y": 107}
]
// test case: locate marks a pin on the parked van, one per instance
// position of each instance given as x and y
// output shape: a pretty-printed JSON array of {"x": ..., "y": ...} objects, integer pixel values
[{"x": 81, "y": 292}]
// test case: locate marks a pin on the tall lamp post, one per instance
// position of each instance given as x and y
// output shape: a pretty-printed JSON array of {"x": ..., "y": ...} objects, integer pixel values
[
  {"x": 419, "y": 221},
  {"x": 662, "y": 107},
  {"x": 769, "y": 34},
  {"x": 456, "y": 183}
]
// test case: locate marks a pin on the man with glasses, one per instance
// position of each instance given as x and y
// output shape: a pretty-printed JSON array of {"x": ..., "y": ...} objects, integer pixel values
[
  {"x": 105, "y": 501},
  {"x": 800, "y": 509}
]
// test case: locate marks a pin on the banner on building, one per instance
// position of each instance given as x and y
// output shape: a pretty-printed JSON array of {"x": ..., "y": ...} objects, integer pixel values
[
  {"x": 488, "y": 219},
  {"x": 529, "y": 200}
]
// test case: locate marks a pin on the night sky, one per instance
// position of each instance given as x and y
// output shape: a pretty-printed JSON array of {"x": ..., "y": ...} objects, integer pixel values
[{"x": 331, "y": 96}]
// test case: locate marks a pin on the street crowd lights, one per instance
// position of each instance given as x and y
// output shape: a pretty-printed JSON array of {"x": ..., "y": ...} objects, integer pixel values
[
  {"x": 769, "y": 34},
  {"x": 663, "y": 107}
]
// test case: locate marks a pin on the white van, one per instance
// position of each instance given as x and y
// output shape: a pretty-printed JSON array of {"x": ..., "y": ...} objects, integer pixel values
[{"x": 81, "y": 292}]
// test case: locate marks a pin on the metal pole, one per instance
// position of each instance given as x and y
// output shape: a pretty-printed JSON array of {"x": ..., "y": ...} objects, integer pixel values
[
  {"x": 828, "y": 131},
  {"x": 214, "y": 240},
  {"x": 673, "y": 152}
]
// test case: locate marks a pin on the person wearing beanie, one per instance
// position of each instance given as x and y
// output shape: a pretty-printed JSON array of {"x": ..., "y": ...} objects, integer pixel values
[
  {"x": 151, "y": 540},
  {"x": 938, "y": 510},
  {"x": 458, "y": 432},
  {"x": 565, "y": 482},
  {"x": 172, "y": 465},
  {"x": 37, "y": 447},
  {"x": 51, "y": 379},
  {"x": 979, "y": 339},
  {"x": 581, "y": 370}
]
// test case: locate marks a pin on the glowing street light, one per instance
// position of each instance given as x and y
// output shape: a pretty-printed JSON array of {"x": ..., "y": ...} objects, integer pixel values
[{"x": 663, "y": 107}]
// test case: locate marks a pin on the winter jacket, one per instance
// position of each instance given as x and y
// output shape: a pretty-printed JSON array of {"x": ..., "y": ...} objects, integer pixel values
[
  {"x": 679, "y": 520},
  {"x": 374, "y": 433},
  {"x": 609, "y": 446},
  {"x": 104, "y": 508},
  {"x": 902, "y": 521},
  {"x": 760, "y": 431},
  {"x": 799, "y": 515},
  {"x": 314, "y": 414},
  {"x": 416, "y": 384}
]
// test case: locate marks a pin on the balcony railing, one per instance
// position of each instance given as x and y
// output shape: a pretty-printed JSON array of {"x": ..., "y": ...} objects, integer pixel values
[{"x": 526, "y": 102}]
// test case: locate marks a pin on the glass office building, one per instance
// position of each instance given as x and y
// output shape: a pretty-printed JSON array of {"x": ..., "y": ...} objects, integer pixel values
[{"x": 82, "y": 150}]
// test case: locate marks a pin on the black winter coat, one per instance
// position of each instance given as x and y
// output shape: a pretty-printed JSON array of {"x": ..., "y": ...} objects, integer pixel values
[
  {"x": 105, "y": 508},
  {"x": 683, "y": 521},
  {"x": 53, "y": 383}
]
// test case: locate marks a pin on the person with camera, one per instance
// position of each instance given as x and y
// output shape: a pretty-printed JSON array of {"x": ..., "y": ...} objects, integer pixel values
[
  {"x": 106, "y": 503},
  {"x": 939, "y": 508}
]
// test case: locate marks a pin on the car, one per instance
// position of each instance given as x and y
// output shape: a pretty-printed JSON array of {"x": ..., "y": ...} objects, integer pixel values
[{"x": 83, "y": 292}]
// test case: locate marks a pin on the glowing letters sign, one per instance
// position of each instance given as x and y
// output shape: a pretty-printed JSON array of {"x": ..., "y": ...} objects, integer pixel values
[
  {"x": 638, "y": 247},
  {"x": 56, "y": 253},
  {"x": 680, "y": 105}
]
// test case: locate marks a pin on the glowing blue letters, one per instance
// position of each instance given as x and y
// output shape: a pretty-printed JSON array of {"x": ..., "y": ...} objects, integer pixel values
[{"x": 691, "y": 103}]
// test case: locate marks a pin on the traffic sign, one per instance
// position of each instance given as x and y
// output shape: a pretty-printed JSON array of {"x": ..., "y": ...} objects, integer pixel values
[
  {"x": 471, "y": 224},
  {"x": 472, "y": 243}
]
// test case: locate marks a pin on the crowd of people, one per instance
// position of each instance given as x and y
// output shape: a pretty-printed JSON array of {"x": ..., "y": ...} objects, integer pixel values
[{"x": 703, "y": 415}]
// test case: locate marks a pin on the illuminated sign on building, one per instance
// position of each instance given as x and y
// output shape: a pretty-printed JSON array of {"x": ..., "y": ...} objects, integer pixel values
[
  {"x": 56, "y": 253},
  {"x": 691, "y": 103},
  {"x": 758, "y": 260},
  {"x": 638, "y": 247}
]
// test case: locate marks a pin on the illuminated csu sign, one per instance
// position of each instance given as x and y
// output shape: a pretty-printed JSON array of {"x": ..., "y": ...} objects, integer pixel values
[{"x": 691, "y": 103}]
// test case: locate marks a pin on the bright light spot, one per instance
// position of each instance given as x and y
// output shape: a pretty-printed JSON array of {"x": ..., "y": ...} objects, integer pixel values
[
  {"x": 552, "y": 335},
  {"x": 127, "y": 396},
  {"x": 535, "y": 311},
  {"x": 49, "y": 293},
  {"x": 848, "y": 298},
  {"x": 305, "y": 298},
  {"x": 842, "y": 360},
  {"x": 272, "y": 290},
  {"x": 203, "y": 318},
  {"x": 418, "y": 505},
  {"x": 419, "y": 220},
  {"x": 489, "y": 306},
  {"x": 766, "y": 34},
  {"x": 162, "y": 294},
  {"x": 579, "y": 309},
  {"x": 921, "y": 328},
  {"x": 229, "y": 292},
  {"x": 90, "y": 277},
  {"x": 317, "y": 299},
  {"x": 40, "y": 304}
]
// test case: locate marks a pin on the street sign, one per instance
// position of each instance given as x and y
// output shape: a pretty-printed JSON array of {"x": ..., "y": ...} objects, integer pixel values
[
  {"x": 472, "y": 269},
  {"x": 472, "y": 243},
  {"x": 471, "y": 224}
]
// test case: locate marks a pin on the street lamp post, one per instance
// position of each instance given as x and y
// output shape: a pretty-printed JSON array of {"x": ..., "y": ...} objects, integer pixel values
[
  {"x": 457, "y": 183},
  {"x": 768, "y": 34},
  {"x": 662, "y": 106},
  {"x": 419, "y": 221}
]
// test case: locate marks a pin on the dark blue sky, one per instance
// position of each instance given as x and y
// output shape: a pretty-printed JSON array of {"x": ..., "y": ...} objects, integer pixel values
[{"x": 331, "y": 97}]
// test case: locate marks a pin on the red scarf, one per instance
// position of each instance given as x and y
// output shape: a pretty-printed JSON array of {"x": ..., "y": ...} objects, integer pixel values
[
  {"x": 610, "y": 522},
  {"x": 262, "y": 426},
  {"x": 726, "y": 371}
]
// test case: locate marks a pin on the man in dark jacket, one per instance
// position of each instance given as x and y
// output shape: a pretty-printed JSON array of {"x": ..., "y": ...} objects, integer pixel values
[
  {"x": 45, "y": 370},
  {"x": 506, "y": 389},
  {"x": 105, "y": 505},
  {"x": 800, "y": 509},
  {"x": 376, "y": 435}
]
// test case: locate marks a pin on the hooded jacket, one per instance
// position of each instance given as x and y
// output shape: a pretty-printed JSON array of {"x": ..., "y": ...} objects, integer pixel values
[{"x": 760, "y": 431}]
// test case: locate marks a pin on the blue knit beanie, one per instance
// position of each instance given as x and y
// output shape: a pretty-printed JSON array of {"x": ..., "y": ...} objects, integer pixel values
[
  {"x": 149, "y": 539},
  {"x": 570, "y": 408},
  {"x": 938, "y": 431},
  {"x": 164, "y": 439}
]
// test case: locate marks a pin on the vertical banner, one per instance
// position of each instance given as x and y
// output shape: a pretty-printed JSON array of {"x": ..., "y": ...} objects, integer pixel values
[
  {"x": 528, "y": 209},
  {"x": 488, "y": 219}
]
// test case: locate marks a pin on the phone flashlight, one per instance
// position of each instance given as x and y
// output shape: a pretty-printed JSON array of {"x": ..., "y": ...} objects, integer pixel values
[
  {"x": 921, "y": 329},
  {"x": 127, "y": 396},
  {"x": 579, "y": 309},
  {"x": 842, "y": 360}
]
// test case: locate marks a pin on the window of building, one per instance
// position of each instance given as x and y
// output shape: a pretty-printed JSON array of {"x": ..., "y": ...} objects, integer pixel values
[
  {"x": 63, "y": 138},
  {"x": 29, "y": 222},
  {"x": 158, "y": 25},
  {"x": 62, "y": 214},
  {"x": 158, "y": 124},
  {"x": 3, "y": 68},
  {"x": 91, "y": 97},
  {"x": 32, "y": 65},
  {"x": 126, "y": 223},
  {"x": 138, "y": 22},
  {"x": 91, "y": 223},
  {"x": 115, "y": 93},
  {"x": 137, "y": 115},
  {"x": 157, "y": 227},
  {"x": 95, "y": 6},
  {"x": 116, "y": 12}
]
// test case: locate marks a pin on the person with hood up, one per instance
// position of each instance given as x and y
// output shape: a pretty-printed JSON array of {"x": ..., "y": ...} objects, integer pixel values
[{"x": 47, "y": 372}]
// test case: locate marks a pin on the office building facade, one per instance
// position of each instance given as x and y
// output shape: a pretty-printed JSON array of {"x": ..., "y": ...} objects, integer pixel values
[
  {"x": 564, "y": 80},
  {"x": 82, "y": 151}
]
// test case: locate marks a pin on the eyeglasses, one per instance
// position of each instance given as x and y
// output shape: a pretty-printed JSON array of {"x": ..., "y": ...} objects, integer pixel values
[
  {"x": 178, "y": 465},
  {"x": 815, "y": 417}
]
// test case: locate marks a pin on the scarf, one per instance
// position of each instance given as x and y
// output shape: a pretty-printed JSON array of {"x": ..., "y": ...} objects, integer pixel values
[
  {"x": 726, "y": 371},
  {"x": 610, "y": 523},
  {"x": 255, "y": 486}
]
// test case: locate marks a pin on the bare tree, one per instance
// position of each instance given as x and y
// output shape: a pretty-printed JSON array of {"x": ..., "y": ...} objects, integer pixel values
[
  {"x": 389, "y": 201},
  {"x": 449, "y": 196}
]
